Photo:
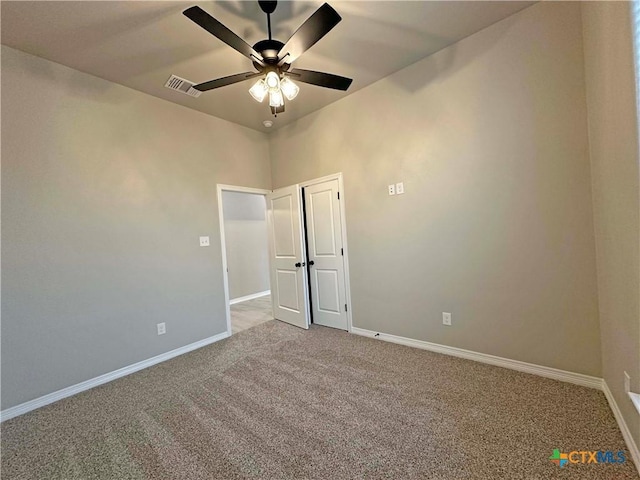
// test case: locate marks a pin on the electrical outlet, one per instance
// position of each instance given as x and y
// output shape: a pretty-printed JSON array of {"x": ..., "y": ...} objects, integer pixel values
[
  {"x": 399, "y": 188},
  {"x": 446, "y": 318},
  {"x": 627, "y": 382},
  {"x": 204, "y": 241},
  {"x": 392, "y": 189},
  {"x": 162, "y": 328}
]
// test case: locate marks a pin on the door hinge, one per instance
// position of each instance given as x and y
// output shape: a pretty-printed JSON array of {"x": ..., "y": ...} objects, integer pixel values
[
  {"x": 338, "y": 195},
  {"x": 345, "y": 307},
  {"x": 342, "y": 251}
]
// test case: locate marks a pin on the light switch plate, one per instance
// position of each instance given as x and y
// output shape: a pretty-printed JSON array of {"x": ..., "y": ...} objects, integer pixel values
[
  {"x": 204, "y": 241},
  {"x": 162, "y": 328},
  {"x": 399, "y": 188},
  {"x": 392, "y": 189}
]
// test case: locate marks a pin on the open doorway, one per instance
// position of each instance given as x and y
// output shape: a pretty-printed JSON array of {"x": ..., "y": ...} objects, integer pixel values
[
  {"x": 245, "y": 249},
  {"x": 297, "y": 268}
]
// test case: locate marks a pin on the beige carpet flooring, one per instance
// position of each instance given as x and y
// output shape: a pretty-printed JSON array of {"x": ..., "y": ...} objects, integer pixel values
[{"x": 276, "y": 402}]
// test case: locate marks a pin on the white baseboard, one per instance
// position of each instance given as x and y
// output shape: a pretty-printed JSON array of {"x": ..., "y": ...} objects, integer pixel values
[
  {"x": 249, "y": 297},
  {"x": 107, "y": 377},
  {"x": 624, "y": 428},
  {"x": 548, "y": 372}
]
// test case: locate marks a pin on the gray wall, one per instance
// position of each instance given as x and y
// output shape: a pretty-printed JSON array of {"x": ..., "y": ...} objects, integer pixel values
[
  {"x": 613, "y": 134},
  {"x": 105, "y": 192},
  {"x": 496, "y": 225},
  {"x": 246, "y": 242}
]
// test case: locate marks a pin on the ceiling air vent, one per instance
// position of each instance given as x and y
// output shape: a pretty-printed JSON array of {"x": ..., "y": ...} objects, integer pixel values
[{"x": 181, "y": 85}]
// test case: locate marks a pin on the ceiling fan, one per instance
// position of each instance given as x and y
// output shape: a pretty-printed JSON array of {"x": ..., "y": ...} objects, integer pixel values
[{"x": 271, "y": 58}]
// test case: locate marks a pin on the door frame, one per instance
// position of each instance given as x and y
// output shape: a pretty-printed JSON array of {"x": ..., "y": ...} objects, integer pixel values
[
  {"x": 343, "y": 227},
  {"x": 225, "y": 273},
  {"x": 261, "y": 191}
]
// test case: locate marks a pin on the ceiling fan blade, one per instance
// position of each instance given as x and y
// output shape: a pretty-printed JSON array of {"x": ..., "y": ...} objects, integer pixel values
[
  {"x": 327, "y": 80},
  {"x": 312, "y": 30},
  {"x": 217, "y": 29},
  {"x": 221, "y": 82}
]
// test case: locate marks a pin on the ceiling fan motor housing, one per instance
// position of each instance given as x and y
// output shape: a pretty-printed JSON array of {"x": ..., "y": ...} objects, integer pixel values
[{"x": 269, "y": 50}]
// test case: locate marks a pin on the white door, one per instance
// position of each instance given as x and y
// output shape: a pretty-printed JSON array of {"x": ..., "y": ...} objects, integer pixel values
[
  {"x": 326, "y": 260},
  {"x": 288, "y": 278}
]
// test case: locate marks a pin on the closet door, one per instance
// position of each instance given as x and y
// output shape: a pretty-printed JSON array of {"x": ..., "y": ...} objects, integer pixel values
[
  {"x": 326, "y": 260},
  {"x": 288, "y": 272}
]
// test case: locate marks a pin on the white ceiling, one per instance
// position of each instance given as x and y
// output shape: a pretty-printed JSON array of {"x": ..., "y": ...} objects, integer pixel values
[{"x": 139, "y": 44}]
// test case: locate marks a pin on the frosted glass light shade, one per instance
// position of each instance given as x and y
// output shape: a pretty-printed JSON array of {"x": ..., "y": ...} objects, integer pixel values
[
  {"x": 259, "y": 90},
  {"x": 275, "y": 99},
  {"x": 273, "y": 81},
  {"x": 289, "y": 89}
]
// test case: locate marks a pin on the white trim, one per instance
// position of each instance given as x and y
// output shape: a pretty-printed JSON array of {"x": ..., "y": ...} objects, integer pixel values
[
  {"x": 225, "y": 274},
  {"x": 548, "y": 372},
  {"x": 246, "y": 298},
  {"x": 236, "y": 188},
  {"x": 102, "y": 379},
  {"x": 347, "y": 276},
  {"x": 343, "y": 218},
  {"x": 326, "y": 178},
  {"x": 626, "y": 434},
  {"x": 635, "y": 398}
]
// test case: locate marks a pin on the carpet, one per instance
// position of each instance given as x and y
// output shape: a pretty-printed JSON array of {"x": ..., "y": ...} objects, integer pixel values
[{"x": 277, "y": 402}]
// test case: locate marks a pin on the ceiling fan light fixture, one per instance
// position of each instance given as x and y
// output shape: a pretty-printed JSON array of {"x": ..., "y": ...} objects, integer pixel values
[
  {"x": 289, "y": 89},
  {"x": 259, "y": 90},
  {"x": 275, "y": 99},
  {"x": 271, "y": 58},
  {"x": 273, "y": 81}
]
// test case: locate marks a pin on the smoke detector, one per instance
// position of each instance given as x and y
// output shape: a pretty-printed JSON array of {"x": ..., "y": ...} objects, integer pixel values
[{"x": 268, "y": 123}]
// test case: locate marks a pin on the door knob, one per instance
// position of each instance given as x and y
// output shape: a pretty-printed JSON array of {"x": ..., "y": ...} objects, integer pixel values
[
  {"x": 298, "y": 265},
  {"x": 311, "y": 263}
]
